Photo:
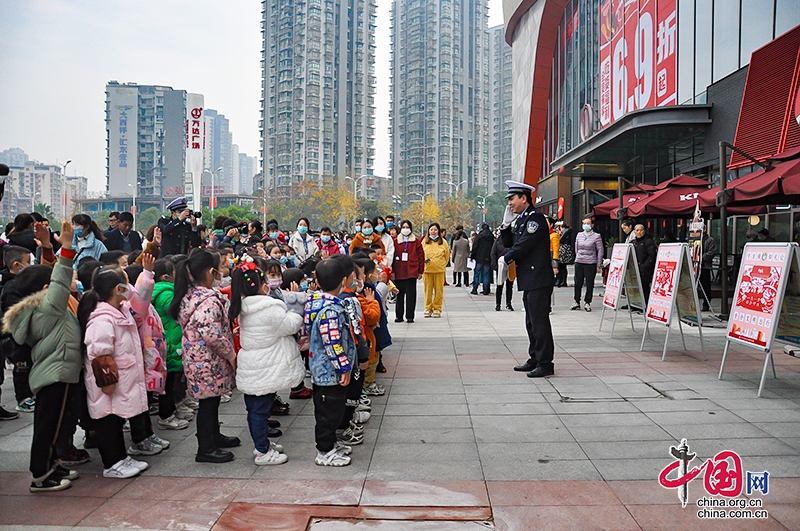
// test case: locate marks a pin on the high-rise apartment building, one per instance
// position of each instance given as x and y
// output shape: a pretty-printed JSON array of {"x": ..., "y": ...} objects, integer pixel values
[
  {"x": 219, "y": 153},
  {"x": 248, "y": 167},
  {"x": 500, "y": 112},
  {"x": 440, "y": 90},
  {"x": 35, "y": 183},
  {"x": 317, "y": 100},
  {"x": 145, "y": 132},
  {"x": 13, "y": 157}
]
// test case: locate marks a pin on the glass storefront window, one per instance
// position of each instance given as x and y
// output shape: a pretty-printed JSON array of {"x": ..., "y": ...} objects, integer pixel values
[
  {"x": 685, "y": 51},
  {"x": 787, "y": 16},
  {"x": 780, "y": 226},
  {"x": 726, "y": 38},
  {"x": 757, "y": 20}
]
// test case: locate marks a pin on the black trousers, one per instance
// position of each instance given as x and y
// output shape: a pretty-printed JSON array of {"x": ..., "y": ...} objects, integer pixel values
[
  {"x": 329, "y": 405},
  {"x": 509, "y": 292},
  {"x": 705, "y": 283},
  {"x": 77, "y": 411},
  {"x": 406, "y": 298},
  {"x": 166, "y": 402},
  {"x": 208, "y": 425},
  {"x": 353, "y": 394},
  {"x": 52, "y": 409},
  {"x": 585, "y": 272},
  {"x": 537, "y": 323},
  {"x": 22, "y": 389},
  {"x": 109, "y": 439},
  {"x": 561, "y": 277},
  {"x": 457, "y": 278},
  {"x": 141, "y": 427}
]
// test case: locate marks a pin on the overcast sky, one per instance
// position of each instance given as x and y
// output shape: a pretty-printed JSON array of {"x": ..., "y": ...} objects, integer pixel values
[{"x": 56, "y": 57}]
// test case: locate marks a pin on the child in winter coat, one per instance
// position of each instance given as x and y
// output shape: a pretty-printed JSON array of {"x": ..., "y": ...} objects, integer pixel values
[
  {"x": 43, "y": 321},
  {"x": 269, "y": 359},
  {"x": 294, "y": 291},
  {"x": 208, "y": 354},
  {"x": 113, "y": 368},
  {"x": 163, "y": 291}
]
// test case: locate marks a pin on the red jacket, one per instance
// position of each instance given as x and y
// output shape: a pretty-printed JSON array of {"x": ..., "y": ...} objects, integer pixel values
[
  {"x": 331, "y": 247},
  {"x": 415, "y": 265}
]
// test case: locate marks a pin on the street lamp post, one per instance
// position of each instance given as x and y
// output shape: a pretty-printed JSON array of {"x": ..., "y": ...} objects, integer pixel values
[
  {"x": 64, "y": 174},
  {"x": 457, "y": 185},
  {"x": 133, "y": 195}
]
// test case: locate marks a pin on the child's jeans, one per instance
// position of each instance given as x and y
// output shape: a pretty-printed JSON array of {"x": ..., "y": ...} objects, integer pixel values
[
  {"x": 257, "y": 416},
  {"x": 329, "y": 404}
]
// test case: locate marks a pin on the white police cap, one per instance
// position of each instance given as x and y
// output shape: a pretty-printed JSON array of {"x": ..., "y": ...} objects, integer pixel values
[{"x": 516, "y": 187}]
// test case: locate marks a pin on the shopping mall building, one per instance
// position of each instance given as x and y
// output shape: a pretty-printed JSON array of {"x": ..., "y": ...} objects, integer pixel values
[{"x": 646, "y": 90}]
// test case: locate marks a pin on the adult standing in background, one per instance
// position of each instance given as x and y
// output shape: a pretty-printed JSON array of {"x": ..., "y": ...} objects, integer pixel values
[
  {"x": 460, "y": 254},
  {"x": 627, "y": 228},
  {"x": 645, "y": 249},
  {"x": 524, "y": 232},
  {"x": 566, "y": 252},
  {"x": 555, "y": 243},
  {"x": 482, "y": 254},
  {"x": 123, "y": 238},
  {"x": 589, "y": 253},
  {"x": 381, "y": 226},
  {"x": 113, "y": 223},
  {"x": 409, "y": 265},
  {"x": 505, "y": 278},
  {"x": 437, "y": 256},
  {"x": 302, "y": 242},
  {"x": 710, "y": 250}
]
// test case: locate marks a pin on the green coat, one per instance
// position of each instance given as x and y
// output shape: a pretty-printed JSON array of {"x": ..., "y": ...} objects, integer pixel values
[
  {"x": 44, "y": 322},
  {"x": 163, "y": 292}
]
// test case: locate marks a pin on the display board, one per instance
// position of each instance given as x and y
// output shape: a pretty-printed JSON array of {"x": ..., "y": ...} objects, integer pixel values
[
  {"x": 766, "y": 303},
  {"x": 696, "y": 229},
  {"x": 623, "y": 280},
  {"x": 673, "y": 291}
]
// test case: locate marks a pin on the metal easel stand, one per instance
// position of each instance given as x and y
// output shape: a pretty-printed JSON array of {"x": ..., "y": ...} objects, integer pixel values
[
  {"x": 707, "y": 299},
  {"x": 614, "y": 322},
  {"x": 666, "y": 339},
  {"x": 767, "y": 361}
]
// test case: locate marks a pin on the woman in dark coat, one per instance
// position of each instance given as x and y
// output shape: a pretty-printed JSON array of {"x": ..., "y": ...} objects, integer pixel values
[{"x": 408, "y": 266}]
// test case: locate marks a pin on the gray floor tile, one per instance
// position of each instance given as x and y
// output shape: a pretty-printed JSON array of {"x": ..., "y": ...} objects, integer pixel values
[
  {"x": 425, "y": 462},
  {"x": 619, "y": 433}
]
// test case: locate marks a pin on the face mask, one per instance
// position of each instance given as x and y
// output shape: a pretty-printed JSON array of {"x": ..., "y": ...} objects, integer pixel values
[
  {"x": 405, "y": 231},
  {"x": 354, "y": 285},
  {"x": 302, "y": 230},
  {"x": 79, "y": 286},
  {"x": 77, "y": 231},
  {"x": 434, "y": 238},
  {"x": 273, "y": 235},
  {"x": 389, "y": 224},
  {"x": 379, "y": 228},
  {"x": 274, "y": 283},
  {"x": 587, "y": 228},
  {"x": 126, "y": 292},
  {"x": 367, "y": 231},
  {"x": 304, "y": 286},
  {"x": 358, "y": 228},
  {"x": 325, "y": 239},
  {"x": 230, "y": 263},
  {"x": 283, "y": 260}
]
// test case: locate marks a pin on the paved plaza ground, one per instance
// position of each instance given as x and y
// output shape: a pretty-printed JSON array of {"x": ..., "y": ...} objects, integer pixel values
[{"x": 461, "y": 442}]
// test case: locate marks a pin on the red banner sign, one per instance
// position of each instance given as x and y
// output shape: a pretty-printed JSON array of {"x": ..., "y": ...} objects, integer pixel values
[
  {"x": 665, "y": 281},
  {"x": 638, "y": 67}
]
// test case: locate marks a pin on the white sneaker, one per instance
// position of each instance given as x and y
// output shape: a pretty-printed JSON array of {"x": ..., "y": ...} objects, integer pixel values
[
  {"x": 356, "y": 428},
  {"x": 587, "y": 307},
  {"x": 426, "y": 313},
  {"x": 173, "y": 423},
  {"x": 146, "y": 447},
  {"x": 126, "y": 426},
  {"x": 364, "y": 400},
  {"x": 226, "y": 398},
  {"x": 184, "y": 413},
  {"x": 374, "y": 389},
  {"x": 361, "y": 417},
  {"x": 343, "y": 448},
  {"x": 121, "y": 470},
  {"x": 155, "y": 439},
  {"x": 273, "y": 446},
  {"x": 332, "y": 458},
  {"x": 141, "y": 465},
  {"x": 191, "y": 403},
  {"x": 362, "y": 407},
  {"x": 270, "y": 458}
]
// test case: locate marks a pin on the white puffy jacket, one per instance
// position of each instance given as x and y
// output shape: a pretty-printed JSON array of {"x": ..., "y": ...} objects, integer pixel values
[{"x": 269, "y": 360}]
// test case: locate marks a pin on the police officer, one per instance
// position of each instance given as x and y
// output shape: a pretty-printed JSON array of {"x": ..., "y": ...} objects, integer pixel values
[
  {"x": 525, "y": 232},
  {"x": 178, "y": 232}
]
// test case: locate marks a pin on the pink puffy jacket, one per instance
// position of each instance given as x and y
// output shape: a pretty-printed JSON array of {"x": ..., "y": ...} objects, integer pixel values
[{"x": 151, "y": 333}]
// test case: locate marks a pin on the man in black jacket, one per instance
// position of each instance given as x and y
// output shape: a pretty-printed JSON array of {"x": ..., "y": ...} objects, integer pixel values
[
  {"x": 178, "y": 234},
  {"x": 123, "y": 238},
  {"x": 646, "y": 252},
  {"x": 525, "y": 232},
  {"x": 482, "y": 254}
]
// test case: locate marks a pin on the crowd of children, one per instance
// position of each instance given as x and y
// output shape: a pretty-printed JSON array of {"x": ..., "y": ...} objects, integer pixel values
[{"x": 112, "y": 338}]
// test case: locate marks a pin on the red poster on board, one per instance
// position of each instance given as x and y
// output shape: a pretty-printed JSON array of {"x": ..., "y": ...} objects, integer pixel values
[
  {"x": 755, "y": 308},
  {"x": 665, "y": 281},
  {"x": 614, "y": 279}
]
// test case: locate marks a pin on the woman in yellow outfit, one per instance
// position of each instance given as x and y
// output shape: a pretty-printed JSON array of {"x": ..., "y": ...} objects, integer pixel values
[{"x": 437, "y": 256}]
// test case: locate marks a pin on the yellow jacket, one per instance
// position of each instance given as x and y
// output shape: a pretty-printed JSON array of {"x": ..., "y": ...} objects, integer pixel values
[
  {"x": 555, "y": 243},
  {"x": 437, "y": 255}
]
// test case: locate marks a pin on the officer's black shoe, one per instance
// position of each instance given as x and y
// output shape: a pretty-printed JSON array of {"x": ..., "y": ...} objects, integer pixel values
[
  {"x": 529, "y": 365},
  {"x": 473, "y": 292},
  {"x": 214, "y": 456},
  {"x": 541, "y": 372},
  {"x": 497, "y": 308},
  {"x": 223, "y": 441},
  {"x": 509, "y": 308}
]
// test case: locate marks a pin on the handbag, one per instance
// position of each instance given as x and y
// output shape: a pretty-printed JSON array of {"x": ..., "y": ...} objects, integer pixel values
[
  {"x": 566, "y": 254},
  {"x": 105, "y": 371}
]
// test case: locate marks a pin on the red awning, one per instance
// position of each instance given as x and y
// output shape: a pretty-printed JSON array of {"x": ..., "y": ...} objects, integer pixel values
[
  {"x": 672, "y": 198},
  {"x": 777, "y": 185},
  {"x": 631, "y": 195}
]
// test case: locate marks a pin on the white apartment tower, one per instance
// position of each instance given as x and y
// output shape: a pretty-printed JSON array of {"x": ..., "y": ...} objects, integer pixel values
[
  {"x": 440, "y": 97},
  {"x": 317, "y": 106},
  {"x": 501, "y": 109}
]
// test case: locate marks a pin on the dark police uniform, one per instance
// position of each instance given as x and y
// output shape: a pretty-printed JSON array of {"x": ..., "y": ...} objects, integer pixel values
[
  {"x": 177, "y": 237},
  {"x": 528, "y": 238}
]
